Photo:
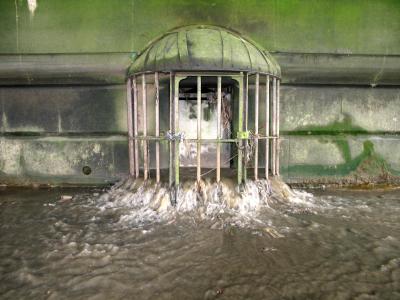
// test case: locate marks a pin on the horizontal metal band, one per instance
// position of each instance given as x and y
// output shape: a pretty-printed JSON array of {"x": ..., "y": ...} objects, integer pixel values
[{"x": 162, "y": 138}]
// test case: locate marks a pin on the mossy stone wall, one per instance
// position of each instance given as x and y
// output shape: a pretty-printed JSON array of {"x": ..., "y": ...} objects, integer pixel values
[{"x": 63, "y": 66}]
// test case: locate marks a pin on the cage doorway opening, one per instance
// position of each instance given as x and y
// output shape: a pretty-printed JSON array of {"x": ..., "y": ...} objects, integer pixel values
[{"x": 214, "y": 117}]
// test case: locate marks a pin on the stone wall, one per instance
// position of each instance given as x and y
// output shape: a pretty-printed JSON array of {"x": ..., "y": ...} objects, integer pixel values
[{"x": 63, "y": 66}]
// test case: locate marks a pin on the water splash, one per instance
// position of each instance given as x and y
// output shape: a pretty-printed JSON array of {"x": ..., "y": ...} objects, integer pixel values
[{"x": 142, "y": 203}]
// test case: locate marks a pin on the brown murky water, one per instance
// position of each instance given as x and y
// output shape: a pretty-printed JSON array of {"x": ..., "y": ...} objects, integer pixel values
[{"x": 334, "y": 245}]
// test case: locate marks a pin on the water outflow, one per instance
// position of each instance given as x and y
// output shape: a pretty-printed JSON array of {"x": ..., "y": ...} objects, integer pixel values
[{"x": 144, "y": 202}]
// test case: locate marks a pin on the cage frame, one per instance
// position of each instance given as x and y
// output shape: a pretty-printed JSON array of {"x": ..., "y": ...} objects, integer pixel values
[{"x": 242, "y": 138}]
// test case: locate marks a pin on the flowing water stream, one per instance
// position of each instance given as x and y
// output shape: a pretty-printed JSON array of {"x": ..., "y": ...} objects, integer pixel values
[{"x": 217, "y": 242}]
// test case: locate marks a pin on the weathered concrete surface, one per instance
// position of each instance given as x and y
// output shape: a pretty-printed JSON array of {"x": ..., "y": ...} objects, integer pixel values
[
  {"x": 56, "y": 160},
  {"x": 332, "y": 110},
  {"x": 63, "y": 110},
  {"x": 341, "y": 159},
  {"x": 313, "y": 26},
  {"x": 325, "y": 130},
  {"x": 317, "y": 159},
  {"x": 66, "y": 69},
  {"x": 102, "y": 109},
  {"x": 111, "y": 68},
  {"x": 333, "y": 69},
  {"x": 335, "y": 129}
]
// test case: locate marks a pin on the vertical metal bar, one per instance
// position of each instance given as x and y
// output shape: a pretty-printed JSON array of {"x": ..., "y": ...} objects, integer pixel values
[
  {"x": 198, "y": 128},
  {"x": 246, "y": 102},
  {"x": 273, "y": 159},
  {"x": 246, "y": 124},
  {"x": 130, "y": 127},
  {"x": 257, "y": 98},
  {"x": 240, "y": 128},
  {"x": 157, "y": 86},
  {"x": 135, "y": 125},
  {"x": 171, "y": 128},
  {"x": 267, "y": 120},
  {"x": 144, "y": 107},
  {"x": 219, "y": 134},
  {"x": 176, "y": 128},
  {"x": 277, "y": 126}
]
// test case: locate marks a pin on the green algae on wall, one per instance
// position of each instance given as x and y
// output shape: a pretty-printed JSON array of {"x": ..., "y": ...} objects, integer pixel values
[
  {"x": 294, "y": 26},
  {"x": 345, "y": 125},
  {"x": 59, "y": 26},
  {"x": 313, "y": 26}
]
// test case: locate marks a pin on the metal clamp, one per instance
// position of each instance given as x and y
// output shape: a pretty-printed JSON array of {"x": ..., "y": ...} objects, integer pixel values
[
  {"x": 243, "y": 135},
  {"x": 179, "y": 136}
]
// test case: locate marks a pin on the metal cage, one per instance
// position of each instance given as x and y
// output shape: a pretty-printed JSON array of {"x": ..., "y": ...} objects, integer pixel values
[
  {"x": 247, "y": 94},
  {"x": 243, "y": 138}
]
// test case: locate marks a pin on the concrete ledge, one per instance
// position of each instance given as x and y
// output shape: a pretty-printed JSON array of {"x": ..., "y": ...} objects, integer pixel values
[
  {"x": 82, "y": 69},
  {"x": 319, "y": 68},
  {"x": 110, "y": 68}
]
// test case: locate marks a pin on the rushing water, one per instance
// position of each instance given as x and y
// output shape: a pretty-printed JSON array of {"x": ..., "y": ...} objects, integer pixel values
[{"x": 215, "y": 243}]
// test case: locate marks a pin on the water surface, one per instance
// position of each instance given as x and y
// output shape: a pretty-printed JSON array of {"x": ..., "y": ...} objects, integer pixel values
[{"x": 334, "y": 245}]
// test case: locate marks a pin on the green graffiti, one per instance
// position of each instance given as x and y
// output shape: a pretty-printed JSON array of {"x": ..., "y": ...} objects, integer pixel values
[
  {"x": 367, "y": 164},
  {"x": 339, "y": 127}
]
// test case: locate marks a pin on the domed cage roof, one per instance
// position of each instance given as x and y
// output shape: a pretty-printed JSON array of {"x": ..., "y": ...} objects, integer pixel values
[{"x": 203, "y": 48}]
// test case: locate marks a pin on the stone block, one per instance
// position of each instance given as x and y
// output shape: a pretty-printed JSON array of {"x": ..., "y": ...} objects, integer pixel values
[
  {"x": 333, "y": 110},
  {"x": 64, "y": 110},
  {"x": 56, "y": 160},
  {"x": 308, "y": 108},
  {"x": 373, "y": 109},
  {"x": 325, "y": 156}
]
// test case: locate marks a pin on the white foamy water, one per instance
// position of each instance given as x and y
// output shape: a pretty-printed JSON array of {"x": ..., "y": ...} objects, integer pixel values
[{"x": 141, "y": 203}]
